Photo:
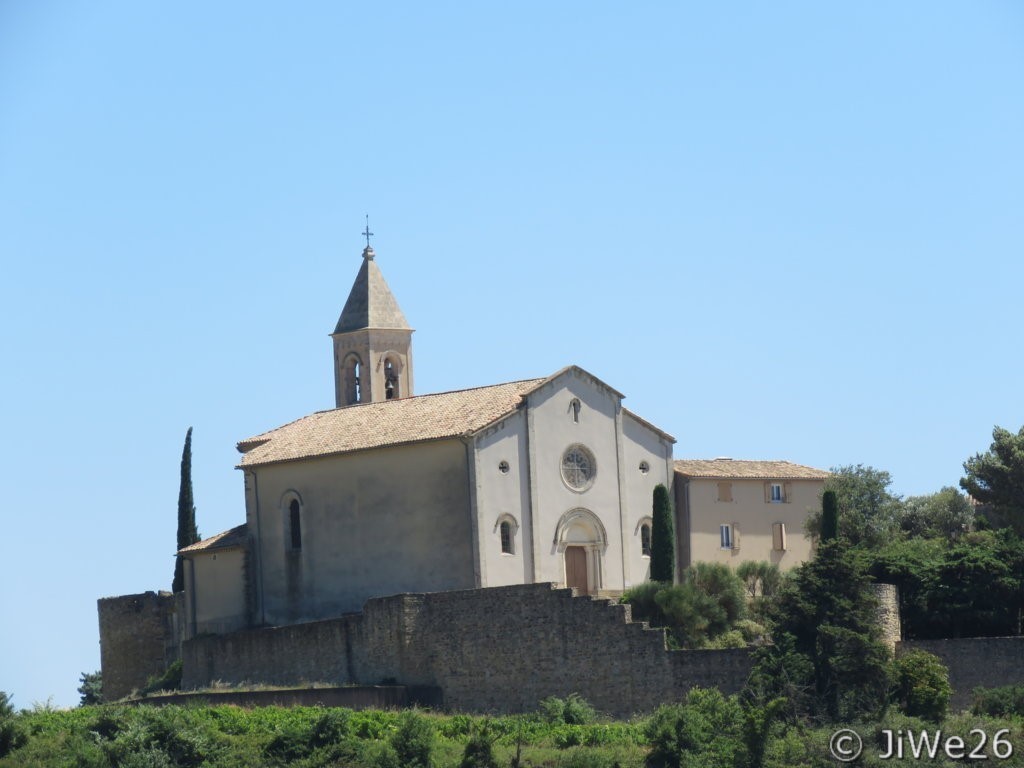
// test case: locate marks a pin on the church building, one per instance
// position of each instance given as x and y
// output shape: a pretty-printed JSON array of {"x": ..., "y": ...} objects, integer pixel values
[{"x": 539, "y": 480}]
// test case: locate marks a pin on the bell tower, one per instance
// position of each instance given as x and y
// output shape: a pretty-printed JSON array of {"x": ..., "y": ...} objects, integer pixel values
[{"x": 372, "y": 341}]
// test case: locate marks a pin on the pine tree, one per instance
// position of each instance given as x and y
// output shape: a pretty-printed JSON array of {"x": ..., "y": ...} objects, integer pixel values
[
  {"x": 663, "y": 550},
  {"x": 829, "y": 516},
  {"x": 187, "y": 533}
]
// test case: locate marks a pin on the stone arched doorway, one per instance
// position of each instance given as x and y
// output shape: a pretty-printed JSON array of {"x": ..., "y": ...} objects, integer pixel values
[{"x": 581, "y": 540}]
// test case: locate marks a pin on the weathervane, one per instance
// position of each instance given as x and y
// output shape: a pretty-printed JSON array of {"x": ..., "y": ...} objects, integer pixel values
[{"x": 366, "y": 232}]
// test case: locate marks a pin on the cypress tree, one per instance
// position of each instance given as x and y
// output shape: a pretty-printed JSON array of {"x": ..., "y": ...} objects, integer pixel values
[
  {"x": 829, "y": 516},
  {"x": 187, "y": 533},
  {"x": 663, "y": 549}
]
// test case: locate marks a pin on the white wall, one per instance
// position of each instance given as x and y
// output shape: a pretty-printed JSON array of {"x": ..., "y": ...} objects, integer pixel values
[
  {"x": 641, "y": 444},
  {"x": 374, "y": 523},
  {"x": 503, "y": 496},
  {"x": 551, "y": 431}
]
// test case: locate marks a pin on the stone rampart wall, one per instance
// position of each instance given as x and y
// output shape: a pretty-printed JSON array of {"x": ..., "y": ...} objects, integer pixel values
[
  {"x": 137, "y": 640},
  {"x": 985, "y": 662},
  {"x": 501, "y": 649}
]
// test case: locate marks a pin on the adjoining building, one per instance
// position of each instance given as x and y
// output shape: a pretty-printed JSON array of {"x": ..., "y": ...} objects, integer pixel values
[{"x": 732, "y": 510}]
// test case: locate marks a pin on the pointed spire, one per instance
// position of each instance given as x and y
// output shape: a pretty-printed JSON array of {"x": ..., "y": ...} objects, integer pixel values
[{"x": 370, "y": 303}]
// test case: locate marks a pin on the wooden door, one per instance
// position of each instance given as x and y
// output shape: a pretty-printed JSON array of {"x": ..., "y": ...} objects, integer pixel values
[{"x": 576, "y": 569}]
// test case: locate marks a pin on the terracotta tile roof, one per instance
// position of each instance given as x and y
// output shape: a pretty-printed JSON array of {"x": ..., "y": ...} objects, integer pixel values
[
  {"x": 236, "y": 537},
  {"x": 742, "y": 469},
  {"x": 392, "y": 422}
]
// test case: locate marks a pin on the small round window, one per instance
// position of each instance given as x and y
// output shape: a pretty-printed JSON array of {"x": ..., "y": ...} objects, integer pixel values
[
  {"x": 503, "y": 467},
  {"x": 644, "y": 467},
  {"x": 578, "y": 467}
]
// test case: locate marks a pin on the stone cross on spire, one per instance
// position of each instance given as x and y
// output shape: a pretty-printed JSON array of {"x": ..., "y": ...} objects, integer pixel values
[{"x": 368, "y": 251}]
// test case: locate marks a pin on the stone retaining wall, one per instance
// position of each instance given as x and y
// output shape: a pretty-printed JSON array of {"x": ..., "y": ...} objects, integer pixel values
[{"x": 501, "y": 649}]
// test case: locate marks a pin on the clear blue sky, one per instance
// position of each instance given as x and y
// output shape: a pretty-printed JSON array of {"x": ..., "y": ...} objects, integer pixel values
[{"x": 785, "y": 230}]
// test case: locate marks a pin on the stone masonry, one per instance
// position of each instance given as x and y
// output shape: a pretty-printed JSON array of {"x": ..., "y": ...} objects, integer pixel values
[
  {"x": 138, "y": 640},
  {"x": 501, "y": 649}
]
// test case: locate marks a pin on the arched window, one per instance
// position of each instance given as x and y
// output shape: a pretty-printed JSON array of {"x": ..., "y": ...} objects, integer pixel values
[
  {"x": 574, "y": 409},
  {"x": 353, "y": 387},
  {"x": 645, "y": 540},
  {"x": 506, "y": 527},
  {"x": 295, "y": 524},
  {"x": 390, "y": 379}
]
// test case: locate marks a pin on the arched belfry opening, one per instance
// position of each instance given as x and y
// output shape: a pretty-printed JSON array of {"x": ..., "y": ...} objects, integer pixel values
[
  {"x": 372, "y": 341},
  {"x": 352, "y": 370},
  {"x": 391, "y": 384}
]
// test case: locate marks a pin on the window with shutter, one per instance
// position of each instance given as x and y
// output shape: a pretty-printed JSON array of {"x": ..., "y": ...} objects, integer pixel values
[
  {"x": 725, "y": 491},
  {"x": 779, "y": 537}
]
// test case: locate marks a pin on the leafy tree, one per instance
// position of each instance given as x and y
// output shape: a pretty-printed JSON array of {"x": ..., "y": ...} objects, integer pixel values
[
  {"x": 760, "y": 577},
  {"x": 705, "y": 604},
  {"x": 921, "y": 685},
  {"x": 947, "y": 514},
  {"x": 187, "y": 533},
  {"x": 867, "y": 510},
  {"x": 12, "y": 735},
  {"x": 705, "y": 731},
  {"x": 828, "y": 660},
  {"x": 969, "y": 588},
  {"x": 762, "y": 580},
  {"x": 978, "y": 587},
  {"x": 91, "y": 689},
  {"x": 996, "y": 479},
  {"x": 758, "y": 720},
  {"x": 663, "y": 551},
  {"x": 913, "y": 566}
]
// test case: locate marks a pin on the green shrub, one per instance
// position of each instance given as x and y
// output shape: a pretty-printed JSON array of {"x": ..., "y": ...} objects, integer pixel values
[
  {"x": 479, "y": 749},
  {"x": 573, "y": 710},
  {"x": 384, "y": 756},
  {"x": 331, "y": 727},
  {"x": 643, "y": 603},
  {"x": 731, "y": 639},
  {"x": 290, "y": 744},
  {"x": 752, "y": 631},
  {"x": 170, "y": 680},
  {"x": 583, "y": 758},
  {"x": 182, "y": 734},
  {"x": 413, "y": 741},
  {"x": 921, "y": 685},
  {"x": 703, "y": 731},
  {"x": 999, "y": 702},
  {"x": 706, "y": 604},
  {"x": 150, "y": 757}
]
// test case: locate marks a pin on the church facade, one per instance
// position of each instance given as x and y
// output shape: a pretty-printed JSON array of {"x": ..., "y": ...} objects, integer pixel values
[{"x": 540, "y": 480}]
